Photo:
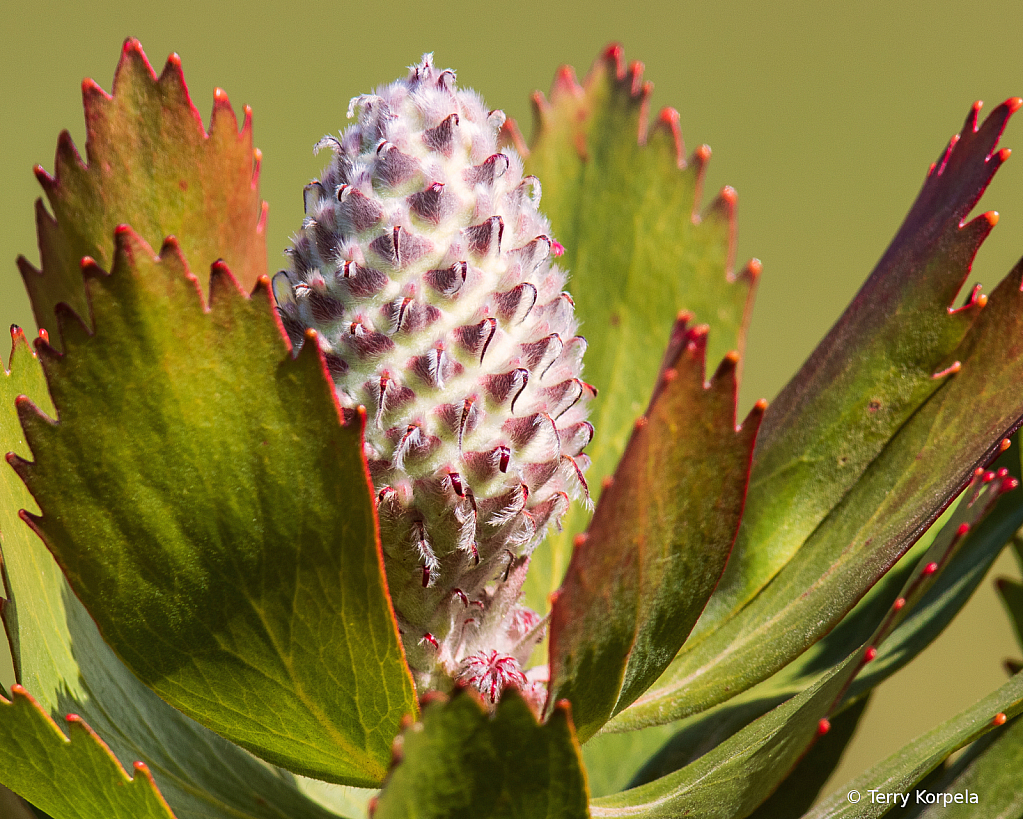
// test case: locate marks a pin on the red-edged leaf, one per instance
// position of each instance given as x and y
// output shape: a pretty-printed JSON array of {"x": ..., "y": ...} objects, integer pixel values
[
  {"x": 73, "y": 776},
  {"x": 152, "y": 165},
  {"x": 659, "y": 539},
  {"x": 871, "y": 372},
  {"x": 216, "y": 518}
]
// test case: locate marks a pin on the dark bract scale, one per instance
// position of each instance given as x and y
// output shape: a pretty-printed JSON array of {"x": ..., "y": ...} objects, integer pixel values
[{"x": 426, "y": 270}]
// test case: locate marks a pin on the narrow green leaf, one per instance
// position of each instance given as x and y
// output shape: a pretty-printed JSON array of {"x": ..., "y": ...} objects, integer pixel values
[
  {"x": 73, "y": 776},
  {"x": 959, "y": 429},
  {"x": 800, "y": 789},
  {"x": 629, "y": 277},
  {"x": 991, "y": 770},
  {"x": 153, "y": 166},
  {"x": 953, "y": 587},
  {"x": 908, "y": 766},
  {"x": 870, "y": 373},
  {"x": 62, "y": 660},
  {"x": 217, "y": 520},
  {"x": 463, "y": 763},
  {"x": 1011, "y": 594},
  {"x": 658, "y": 541},
  {"x": 735, "y": 777}
]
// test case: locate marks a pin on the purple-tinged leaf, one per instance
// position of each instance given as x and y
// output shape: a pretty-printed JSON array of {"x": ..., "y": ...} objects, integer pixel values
[
  {"x": 658, "y": 541},
  {"x": 152, "y": 165},
  {"x": 872, "y": 371}
]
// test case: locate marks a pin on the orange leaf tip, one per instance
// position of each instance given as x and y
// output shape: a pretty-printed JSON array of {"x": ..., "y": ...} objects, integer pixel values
[{"x": 999, "y": 719}]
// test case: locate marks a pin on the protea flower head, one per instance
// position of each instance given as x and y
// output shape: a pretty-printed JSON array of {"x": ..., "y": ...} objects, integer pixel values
[{"x": 427, "y": 273}]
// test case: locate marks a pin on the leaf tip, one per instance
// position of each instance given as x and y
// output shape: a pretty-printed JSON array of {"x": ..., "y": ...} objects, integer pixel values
[
  {"x": 91, "y": 89},
  {"x": 17, "y": 335},
  {"x": 955, "y": 367},
  {"x": 754, "y": 267},
  {"x": 999, "y": 719},
  {"x": 613, "y": 53},
  {"x": 669, "y": 120}
]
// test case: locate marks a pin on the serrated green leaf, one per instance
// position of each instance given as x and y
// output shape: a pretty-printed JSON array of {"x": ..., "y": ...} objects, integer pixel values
[
  {"x": 990, "y": 769},
  {"x": 23, "y": 377},
  {"x": 217, "y": 520},
  {"x": 658, "y": 542},
  {"x": 958, "y": 429},
  {"x": 463, "y": 763},
  {"x": 629, "y": 277},
  {"x": 73, "y": 776},
  {"x": 64, "y": 663},
  {"x": 150, "y": 165},
  {"x": 908, "y": 766},
  {"x": 870, "y": 373}
]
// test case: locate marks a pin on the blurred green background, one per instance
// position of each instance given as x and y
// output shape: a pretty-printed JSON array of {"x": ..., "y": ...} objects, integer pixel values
[{"x": 824, "y": 117}]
